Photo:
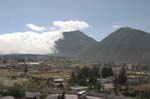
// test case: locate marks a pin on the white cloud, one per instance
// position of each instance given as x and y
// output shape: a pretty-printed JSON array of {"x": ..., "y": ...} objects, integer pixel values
[
  {"x": 32, "y": 42},
  {"x": 116, "y": 26},
  {"x": 29, "y": 42},
  {"x": 35, "y": 27},
  {"x": 71, "y": 25}
]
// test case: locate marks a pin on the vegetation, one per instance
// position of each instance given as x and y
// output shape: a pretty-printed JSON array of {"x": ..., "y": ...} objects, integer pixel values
[
  {"x": 43, "y": 95},
  {"x": 88, "y": 76},
  {"x": 107, "y": 72},
  {"x": 122, "y": 77},
  {"x": 15, "y": 91},
  {"x": 62, "y": 96}
]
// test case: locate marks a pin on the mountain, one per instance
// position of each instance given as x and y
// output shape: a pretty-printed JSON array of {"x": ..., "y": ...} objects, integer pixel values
[
  {"x": 124, "y": 45},
  {"x": 73, "y": 43}
]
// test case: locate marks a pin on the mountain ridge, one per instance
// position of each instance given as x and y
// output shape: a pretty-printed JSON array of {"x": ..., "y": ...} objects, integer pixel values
[
  {"x": 123, "y": 45},
  {"x": 74, "y": 43}
]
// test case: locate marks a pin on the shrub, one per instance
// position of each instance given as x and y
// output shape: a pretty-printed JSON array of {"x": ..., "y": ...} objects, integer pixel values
[{"x": 129, "y": 94}]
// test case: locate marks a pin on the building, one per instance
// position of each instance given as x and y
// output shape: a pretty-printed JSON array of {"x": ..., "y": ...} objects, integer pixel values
[
  {"x": 81, "y": 94},
  {"x": 7, "y": 97},
  {"x": 32, "y": 95},
  {"x": 58, "y": 81}
]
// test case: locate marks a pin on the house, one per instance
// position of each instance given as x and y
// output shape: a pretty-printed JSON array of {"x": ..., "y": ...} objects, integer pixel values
[
  {"x": 32, "y": 95},
  {"x": 67, "y": 96},
  {"x": 105, "y": 81},
  {"x": 58, "y": 81},
  {"x": 7, "y": 97},
  {"x": 79, "y": 88},
  {"x": 108, "y": 86},
  {"x": 81, "y": 94},
  {"x": 52, "y": 96}
]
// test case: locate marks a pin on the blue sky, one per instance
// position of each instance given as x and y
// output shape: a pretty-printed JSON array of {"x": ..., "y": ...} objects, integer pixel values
[{"x": 101, "y": 15}]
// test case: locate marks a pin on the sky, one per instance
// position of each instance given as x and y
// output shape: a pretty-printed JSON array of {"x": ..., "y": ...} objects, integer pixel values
[{"x": 102, "y": 16}]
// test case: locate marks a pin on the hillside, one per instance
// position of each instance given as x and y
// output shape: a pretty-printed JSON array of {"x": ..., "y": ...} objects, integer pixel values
[
  {"x": 73, "y": 43},
  {"x": 124, "y": 45}
]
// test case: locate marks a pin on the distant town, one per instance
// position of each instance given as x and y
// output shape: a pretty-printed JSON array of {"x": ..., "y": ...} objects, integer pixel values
[{"x": 43, "y": 77}]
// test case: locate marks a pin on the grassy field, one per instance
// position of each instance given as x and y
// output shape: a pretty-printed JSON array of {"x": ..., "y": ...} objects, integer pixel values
[
  {"x": 52, "y": 74},
  {"x": 130, "y": 98},
  {"x": 6, "y": 72}
]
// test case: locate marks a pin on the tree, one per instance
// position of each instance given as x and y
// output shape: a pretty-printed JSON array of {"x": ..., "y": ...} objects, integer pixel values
[
  {"x": 93, "y": 80},
  {"x": 73, "y": 78},
  {"x": 98, "y": 87},
  {"x": 104, "y": 72},
  {"x": 16, "y": 92},
  {"x": 122, "y": 77},
  {"x": 43, "y": 95},
  {"x": 107, "y": 72},
  {"x": 110, "y": 72},
  {"x": 61, "y": 96},
  {"x": 115, "y": 83},
  {"x": 25, "y": 70}
]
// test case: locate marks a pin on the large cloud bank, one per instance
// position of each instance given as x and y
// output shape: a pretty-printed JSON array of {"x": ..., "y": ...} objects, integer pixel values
[{"x": 39, "y": 40}]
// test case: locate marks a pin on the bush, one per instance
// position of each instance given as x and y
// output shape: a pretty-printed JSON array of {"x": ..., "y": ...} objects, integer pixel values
[
  {"x": 15, "y": 92},
  {"x": 145, "y": 94},
  {"x": 129, "y": 94},
  {"x": 43, "y": 95},
  {"x": 124, "y": 89}
]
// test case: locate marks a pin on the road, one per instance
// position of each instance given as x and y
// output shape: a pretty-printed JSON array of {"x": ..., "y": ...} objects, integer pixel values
[
  {"x": 71, "y": 96},
  {"x": 91, "y": 97}
]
